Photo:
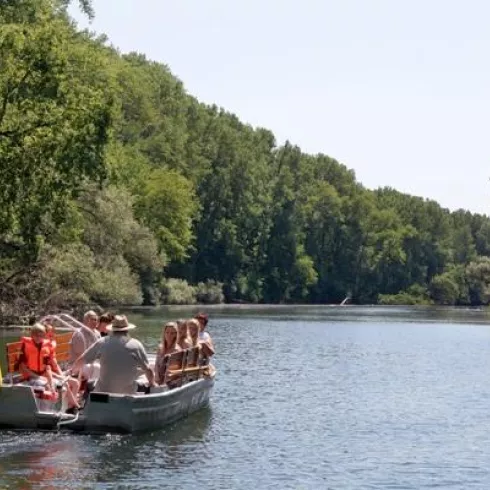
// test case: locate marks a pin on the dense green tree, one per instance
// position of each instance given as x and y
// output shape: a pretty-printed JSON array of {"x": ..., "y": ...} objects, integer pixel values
[
  {"x": 478, "y": 278},
  {"x": 167, "y": 205},
  {"x": 444, "y": 290},
  {"x": 55, "y": 115},
  {"x": 120, "y": 187}
]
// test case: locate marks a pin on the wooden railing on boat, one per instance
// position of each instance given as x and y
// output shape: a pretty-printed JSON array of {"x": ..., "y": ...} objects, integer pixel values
[{"x": 182, "y": 367}]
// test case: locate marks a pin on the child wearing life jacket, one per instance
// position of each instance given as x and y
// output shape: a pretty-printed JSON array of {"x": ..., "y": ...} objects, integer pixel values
[
  {"x": 36, "y": 358},
  {"x": 38, "y": 367}
]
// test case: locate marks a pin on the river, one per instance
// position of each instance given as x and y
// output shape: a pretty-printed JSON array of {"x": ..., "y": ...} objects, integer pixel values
[{"x": 305, "y": 398}]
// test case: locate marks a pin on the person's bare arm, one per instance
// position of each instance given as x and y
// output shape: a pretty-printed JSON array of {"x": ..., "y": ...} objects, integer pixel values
[
  {"x": 142, "y": 360},
  {"x": 49, "y": 377},
  {"x": 208, "y": 348},
  {"x": 56, "y": 367},
  {"x": 90, "y": 355},
  {"x": 77, "y": 346},
  {"x": 150, "y": 375}
]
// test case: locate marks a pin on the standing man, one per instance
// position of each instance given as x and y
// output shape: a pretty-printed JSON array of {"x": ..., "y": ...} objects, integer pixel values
[{"x": 120, "y": 357}]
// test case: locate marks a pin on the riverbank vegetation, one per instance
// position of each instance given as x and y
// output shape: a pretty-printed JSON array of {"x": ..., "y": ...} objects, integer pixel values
[{"x": 119, "y": 187}]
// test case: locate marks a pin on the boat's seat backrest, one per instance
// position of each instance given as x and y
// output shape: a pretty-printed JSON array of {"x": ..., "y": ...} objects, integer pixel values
[
  {"x": 191, "y": 363},
  {"x": 192, "y": 357},
  {"x": 172, "y": 362},
  {"x": 62, "y": 351},
  {"x": 176, "y": 359}
]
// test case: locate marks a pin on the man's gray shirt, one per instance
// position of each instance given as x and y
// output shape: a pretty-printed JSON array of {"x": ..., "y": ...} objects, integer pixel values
[{"x": 120, "y": 357}]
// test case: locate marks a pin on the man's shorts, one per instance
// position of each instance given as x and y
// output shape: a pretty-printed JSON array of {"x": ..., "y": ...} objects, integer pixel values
[{"x": 90, "y": 371}]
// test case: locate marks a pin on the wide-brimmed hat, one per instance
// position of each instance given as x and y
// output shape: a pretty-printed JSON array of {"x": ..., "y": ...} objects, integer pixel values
[{"x": 120, "y": 324}]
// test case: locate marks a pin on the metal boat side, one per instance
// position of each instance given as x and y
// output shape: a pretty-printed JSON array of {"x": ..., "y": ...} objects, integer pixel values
[
  {"x": 19, "y": 410},
  {"x": 106, "y": 412}
]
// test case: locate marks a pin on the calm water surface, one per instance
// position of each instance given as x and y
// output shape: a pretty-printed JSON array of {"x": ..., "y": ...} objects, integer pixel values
[{"x": 306, "y": 398}]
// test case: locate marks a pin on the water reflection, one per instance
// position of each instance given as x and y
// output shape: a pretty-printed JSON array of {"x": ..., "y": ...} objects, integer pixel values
[
  {"x": 54, "y": 461},
  {"x": 174, "y": 447},
  {"x": 40, "y": 461},
  {"x": 306, "y": 398}
]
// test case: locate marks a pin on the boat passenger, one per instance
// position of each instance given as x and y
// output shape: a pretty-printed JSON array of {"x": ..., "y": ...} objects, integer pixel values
[
  {"x": 104, "y": 321},
  {"x": 203, "y": 319},
  {"x": 204, "y": 337},
  {"x": 82, "y": 339},
  {"x": 193, "y": 327},
  {"x": 167, "y": 346},
  {"x": 183, "y": 340},
  {"x": 72, "y": 384},
  {"x": 206, "y": 349},
  {"x": 39, "y": 368},
  {"x": 35, "y": 361},
  {"x": 50, "y": 335},
  {"x": 120, "y": 357}
]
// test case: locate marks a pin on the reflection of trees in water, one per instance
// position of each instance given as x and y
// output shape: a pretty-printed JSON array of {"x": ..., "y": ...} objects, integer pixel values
[
  {"x": 60, "y": 461},
  {"x": 39, "y": 462},
  {"x": 172, "y": 447}
]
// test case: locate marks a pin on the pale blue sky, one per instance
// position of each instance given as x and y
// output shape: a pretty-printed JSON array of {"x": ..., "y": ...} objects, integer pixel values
[{"x": 397, "y": 90}]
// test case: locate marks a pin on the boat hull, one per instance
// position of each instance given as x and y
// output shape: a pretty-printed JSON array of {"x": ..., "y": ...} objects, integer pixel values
[{"x": 105, "y": 412}]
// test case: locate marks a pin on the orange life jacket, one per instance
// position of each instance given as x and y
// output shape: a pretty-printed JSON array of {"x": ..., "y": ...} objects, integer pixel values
[{"x": 36, "y": 357}]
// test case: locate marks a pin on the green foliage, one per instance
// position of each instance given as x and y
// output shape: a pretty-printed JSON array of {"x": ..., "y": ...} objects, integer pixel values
[
  {"x": 110, "y": 229},
  {"x": 209, "y": 292},
  {"x": 84, "y": 5},
  {"x": 55, "y": 115},
  {"x": 180, "y": 292},
  {"x": 114, "y": 179},
  {"x": 68, "y": 275},
  {"x": 414, "y": 295},
  {"x": 478, "y": 279},
  {"x": 118, "y": 240},
  {"x": 177, "y": 292},
  {"x": 168, "y": 205},
  {"x": 444, "y": 289}
]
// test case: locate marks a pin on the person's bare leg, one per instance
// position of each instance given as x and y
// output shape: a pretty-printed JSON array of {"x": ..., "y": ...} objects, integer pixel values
[{"x": 72, "y": 388}]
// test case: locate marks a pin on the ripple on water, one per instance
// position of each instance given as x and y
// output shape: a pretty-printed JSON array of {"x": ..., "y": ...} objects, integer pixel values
[{"x": 302, "y": 401}]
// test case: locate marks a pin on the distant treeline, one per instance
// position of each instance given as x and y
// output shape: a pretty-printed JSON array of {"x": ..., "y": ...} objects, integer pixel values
[{"x": 118, "y": 187}]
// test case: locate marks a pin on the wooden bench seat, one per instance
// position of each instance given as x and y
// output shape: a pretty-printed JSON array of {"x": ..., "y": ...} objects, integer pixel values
[
  {"x": 181, "y": 367},
  {"x": 62, "y": 351}
]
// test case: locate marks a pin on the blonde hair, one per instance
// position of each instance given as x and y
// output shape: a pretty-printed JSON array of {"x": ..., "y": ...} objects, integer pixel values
[
  {"x": 49, "y": 329},
  {"x": 182, "y": 339},
  {"x": 38, "y": 327},
  {"x": 169, "y": 325},
  {"x": 195, "y": 323}
]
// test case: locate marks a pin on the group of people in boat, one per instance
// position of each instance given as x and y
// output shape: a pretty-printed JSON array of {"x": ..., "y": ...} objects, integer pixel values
[{"x": 104, "y": 357}]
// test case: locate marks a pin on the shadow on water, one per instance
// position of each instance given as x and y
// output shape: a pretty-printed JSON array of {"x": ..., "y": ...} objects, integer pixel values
[{"x": 64, "y": 460}]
